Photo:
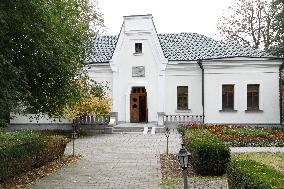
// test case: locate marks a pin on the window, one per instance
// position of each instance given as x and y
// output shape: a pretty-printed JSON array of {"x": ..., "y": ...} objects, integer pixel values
[
  {"x": 138, "y": 47},
  {"x": 253, "y": 97},
  {"x": 182, "y": 97},
  {"x": 227, "y": 97}
]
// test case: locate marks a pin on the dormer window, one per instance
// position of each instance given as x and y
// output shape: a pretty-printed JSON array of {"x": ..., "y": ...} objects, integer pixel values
[{"x": 138, "y": 48}]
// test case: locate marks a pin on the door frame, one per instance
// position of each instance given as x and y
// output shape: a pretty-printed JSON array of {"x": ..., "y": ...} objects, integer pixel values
[
  {"x": 127, "y": 98},
  {"x": 139, "y": 114}
]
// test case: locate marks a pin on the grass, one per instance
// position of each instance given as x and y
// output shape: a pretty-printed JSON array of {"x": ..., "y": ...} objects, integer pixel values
[
  {"x": 172, "y": 177},
  {"x": 275, "y": 160},
  {"x": 171, "y": 183}
]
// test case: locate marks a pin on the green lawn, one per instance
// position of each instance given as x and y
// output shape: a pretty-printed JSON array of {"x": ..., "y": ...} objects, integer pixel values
[{"x": 276, "y": 160}]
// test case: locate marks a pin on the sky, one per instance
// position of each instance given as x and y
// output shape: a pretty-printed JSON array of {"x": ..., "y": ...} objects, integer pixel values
[{"x": 170, "y": 16}]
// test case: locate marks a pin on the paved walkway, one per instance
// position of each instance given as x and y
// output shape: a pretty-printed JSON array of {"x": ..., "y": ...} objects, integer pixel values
[{"x": 113, "y": 161}]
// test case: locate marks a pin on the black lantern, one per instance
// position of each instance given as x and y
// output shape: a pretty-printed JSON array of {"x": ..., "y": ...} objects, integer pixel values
[
  {"x": 75, "y": 122},
  {"x": 167, "y": 133},
  {"x": 183, "y": 157}
]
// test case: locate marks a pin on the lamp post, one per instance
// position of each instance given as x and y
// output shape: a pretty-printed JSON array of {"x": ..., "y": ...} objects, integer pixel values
[
  {"x": 167, "y": 133},
  {"x": 75, "y": 121},
  {"x": 183, "y": 159}
]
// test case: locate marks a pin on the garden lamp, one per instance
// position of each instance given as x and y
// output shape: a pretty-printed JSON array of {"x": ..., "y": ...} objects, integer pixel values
[
  {"x": 183, "y": 159},
  {"x": 167, "y": 133}
]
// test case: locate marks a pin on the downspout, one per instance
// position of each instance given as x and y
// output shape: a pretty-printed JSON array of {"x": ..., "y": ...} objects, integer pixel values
[
  {"x": 280, "y": 91},
  {"x": 199, "y": 62}
]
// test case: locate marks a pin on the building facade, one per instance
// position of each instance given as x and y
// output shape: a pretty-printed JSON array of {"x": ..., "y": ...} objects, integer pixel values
[{"x": 152, "y": 76}]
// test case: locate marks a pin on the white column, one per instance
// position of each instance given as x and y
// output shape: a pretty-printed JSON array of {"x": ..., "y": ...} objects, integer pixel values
[
  {"x": 114, "y": 88},
  {"x": 161, "y": 91}
]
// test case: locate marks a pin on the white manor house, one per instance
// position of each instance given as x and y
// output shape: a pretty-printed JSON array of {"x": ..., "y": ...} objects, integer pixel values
[{"x": 156, "y": 77}]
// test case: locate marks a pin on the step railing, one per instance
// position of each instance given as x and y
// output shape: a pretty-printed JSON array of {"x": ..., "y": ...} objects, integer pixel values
[
  {"x": 182, "y": 119},
  {"x": 92, "y": 120}
]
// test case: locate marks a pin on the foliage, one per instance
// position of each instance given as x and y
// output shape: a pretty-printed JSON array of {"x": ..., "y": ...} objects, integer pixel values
[
  {"x": 244, "y": 136},
  {"x": 11, "y": 93},
  {"x": 53, "y": 148},
  {"x": 170, "y": 183},
  {"x": 245, "y": 131},
  {"x": 16, "y": 150},
  {"x": 254, "y": 175},
  {"x": 65, "y": 133},
  {"x": 250, "y": 22},
  {"x": 90, "y": 99},
  {"x": 209, "y": 155},
  {"x": 22, "y": 151},
  {"x": 278, "y": 47},
  {"x": 44, "y": 44},
  {"x": 275, "y": 160}
]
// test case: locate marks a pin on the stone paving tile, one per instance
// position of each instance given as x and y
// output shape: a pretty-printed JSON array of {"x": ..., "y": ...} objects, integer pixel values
[{"x": 114, "y": 161}]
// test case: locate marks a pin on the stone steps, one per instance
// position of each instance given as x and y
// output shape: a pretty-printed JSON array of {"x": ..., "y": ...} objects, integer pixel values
[{"x": 140, "y": 129}]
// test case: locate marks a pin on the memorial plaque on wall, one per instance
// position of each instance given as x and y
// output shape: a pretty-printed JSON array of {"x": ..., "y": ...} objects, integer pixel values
[{"x": 138, "y": 71}]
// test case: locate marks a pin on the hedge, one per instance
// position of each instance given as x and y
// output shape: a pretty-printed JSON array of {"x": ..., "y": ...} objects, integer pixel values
[
  {"x": 209, "y": 155},
  {"x": 253, "y": 175},
  {"x": 25, "y": 150}
]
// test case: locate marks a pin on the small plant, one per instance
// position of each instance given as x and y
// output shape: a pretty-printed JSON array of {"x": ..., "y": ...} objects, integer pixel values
[
  {"x": 242, "y": 136},
  {"x": 170, "y": 183},
  {"x": 245, "y": 131}
]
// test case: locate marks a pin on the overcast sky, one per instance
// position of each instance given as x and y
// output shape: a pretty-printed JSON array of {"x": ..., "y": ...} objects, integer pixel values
[{"x": 200, "y": 16}]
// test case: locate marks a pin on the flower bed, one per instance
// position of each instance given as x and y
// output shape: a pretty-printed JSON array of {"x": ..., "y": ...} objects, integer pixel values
[{"x": 243, "y": 136}]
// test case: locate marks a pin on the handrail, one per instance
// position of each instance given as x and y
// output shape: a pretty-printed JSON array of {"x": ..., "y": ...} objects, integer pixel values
[
  {"x": 92, "y": 120},
  {"x": 182, "y": 118}
]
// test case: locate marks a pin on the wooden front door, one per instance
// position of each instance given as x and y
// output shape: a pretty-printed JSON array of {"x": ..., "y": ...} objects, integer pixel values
[{"x": 138, "y": 105}]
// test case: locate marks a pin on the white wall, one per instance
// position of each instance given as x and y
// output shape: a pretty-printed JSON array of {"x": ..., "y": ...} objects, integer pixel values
[
  {"x": 35, "y": 119},
  {"x": 138, "y": 29},
  {"x": 125, "y": 63},
  {"x": 240, "y": 75},
  {"x": 183, "y": 75}
]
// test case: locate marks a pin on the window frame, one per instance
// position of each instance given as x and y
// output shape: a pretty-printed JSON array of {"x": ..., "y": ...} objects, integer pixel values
[
  {"x": 251, "y": 107},
  {"x": 138, "y": 48},
  {"x": 184, "y": 96},
  {"x": 227, "y": 107}
]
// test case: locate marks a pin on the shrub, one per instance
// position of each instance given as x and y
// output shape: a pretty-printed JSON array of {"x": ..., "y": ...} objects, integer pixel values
[
  {"x": 209, "y": 155},
  {"x": 22, "y": 151},
  {"x": 16, "y": 150},
  {"x": 65, "y": 133},
  {"x": 253, "y": 175},
  {"x": 54, "y": 147}
]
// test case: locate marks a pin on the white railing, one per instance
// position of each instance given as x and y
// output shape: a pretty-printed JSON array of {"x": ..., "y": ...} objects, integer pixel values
[
  {"x": 183, "y": 118},
  {"x": 176, "y": 118},
  {"x": 92, "y": 120}
]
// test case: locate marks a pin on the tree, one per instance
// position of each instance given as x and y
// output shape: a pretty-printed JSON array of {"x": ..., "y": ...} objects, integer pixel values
[
  {"x": 44, "y": 45},
  {"x": 278, "y": 46},
  {"x": 89, "y": 99},
  {"x": 250, "y": 22}
]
